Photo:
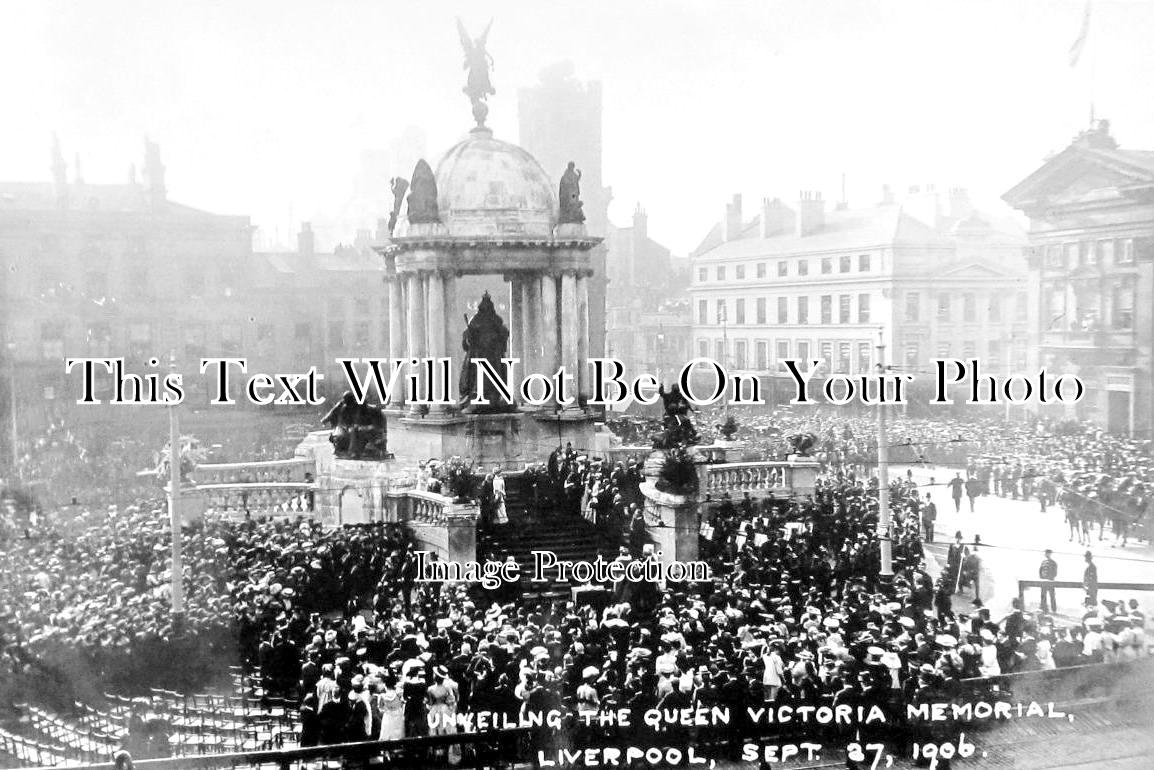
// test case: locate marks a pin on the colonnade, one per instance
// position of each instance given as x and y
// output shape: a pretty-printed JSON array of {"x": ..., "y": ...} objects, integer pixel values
[{"x": 548, "y": 321}]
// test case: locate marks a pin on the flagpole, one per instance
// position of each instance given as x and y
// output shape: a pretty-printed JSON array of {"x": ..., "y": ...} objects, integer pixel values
[
  {"x": 1091, "y": 42},
  {"x": 1077, "y": 52}
]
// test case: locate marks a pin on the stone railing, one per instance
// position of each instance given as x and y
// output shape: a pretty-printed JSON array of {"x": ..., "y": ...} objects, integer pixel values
[
  {"x": 425, "y": 507},
  {"x": 437, "y": 523},
  {"x": 267, "y": 471},
  {"x": 756, "y": 478},
  {"x": 274, "y": 498}
]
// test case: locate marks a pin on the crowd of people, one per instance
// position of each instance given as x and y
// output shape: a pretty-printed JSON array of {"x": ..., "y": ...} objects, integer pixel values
[
  {"x": 96, "y": 602},
  {"x": 796, "y": 612},
  {"x": 1098, "y": 480}
]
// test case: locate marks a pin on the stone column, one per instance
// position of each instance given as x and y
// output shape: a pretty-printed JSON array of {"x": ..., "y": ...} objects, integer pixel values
[
  {"x": 516, "y": 319},
  {"x": 396, "y": 327},
  {"x": 454, "y": 327},
  {"x": 531, "y": 302},
  {"x": 437, "y": 334},
  {"x": 549, "y": 333},
  {"x": 569, "y": 331},
  {"x": 584, "y": 379},
  {"x": 416, "y": 324}
]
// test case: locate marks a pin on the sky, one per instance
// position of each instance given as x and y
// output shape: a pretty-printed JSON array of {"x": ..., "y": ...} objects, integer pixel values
[{"x": 265, "y": 108}]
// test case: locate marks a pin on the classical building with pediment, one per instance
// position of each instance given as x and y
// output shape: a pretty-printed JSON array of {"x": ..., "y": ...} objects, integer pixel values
[
  {"x": 1091, "y": 210},
  {"x": 929, "y": 276}
]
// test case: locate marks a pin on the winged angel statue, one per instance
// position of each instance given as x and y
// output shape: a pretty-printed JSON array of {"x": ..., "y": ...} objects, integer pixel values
[{"x": 478, "y": 62}]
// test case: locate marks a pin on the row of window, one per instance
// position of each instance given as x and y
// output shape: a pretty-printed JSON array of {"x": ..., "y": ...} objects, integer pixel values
[
  {"x": 95, "y": 284},
  {"x": 854, "y": 357},
  {"x": 1089, "y": 308},
  {"x": 196, "y": 341},
  {"x": 998, "y": 356},
  {"x": 1104, "y": 251},
  {"x": 845, "y": 264},
  {"x": 973, "y": 308},
  {"x": 851, "y": 357},
  {"x": 761, "y": 308}
]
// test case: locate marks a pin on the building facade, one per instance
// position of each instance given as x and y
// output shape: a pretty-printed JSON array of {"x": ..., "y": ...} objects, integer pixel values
[
  {"x": 560, "y": 121},
  {"x": 926, "y": 278},
  {"x": 120, "y": 270},
  {"x": 648, "y": 314},
  {"x": 1091, "y": 210}
]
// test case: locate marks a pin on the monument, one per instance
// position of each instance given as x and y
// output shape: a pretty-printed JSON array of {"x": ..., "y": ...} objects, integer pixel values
[{"x": 486, "y": 207}]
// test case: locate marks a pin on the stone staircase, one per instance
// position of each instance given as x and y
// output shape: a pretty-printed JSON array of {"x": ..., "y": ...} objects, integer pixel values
[{"x": 570, "y": 537}]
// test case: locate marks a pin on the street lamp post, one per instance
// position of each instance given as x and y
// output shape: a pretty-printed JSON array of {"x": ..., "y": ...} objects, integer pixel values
[
  {"x": 725, "y": 355},
  {"x": 884, "y": 523},
  {"x": 660, "y": 350},
  {"x": 11, "y": 350},
  {"x": 177, "y": 581}
]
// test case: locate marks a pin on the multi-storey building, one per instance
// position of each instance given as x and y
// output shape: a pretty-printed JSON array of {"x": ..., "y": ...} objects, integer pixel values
[
  {"x": 927, "y": 278},
  {"x": 1091, "y": 210},
  {"x": 648, "y": 322},
  {"x": 121, "y": 270},
  {"x": 559, "y": 122}
]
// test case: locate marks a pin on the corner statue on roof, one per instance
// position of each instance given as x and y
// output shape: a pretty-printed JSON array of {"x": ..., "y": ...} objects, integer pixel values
[
  {"x": 398, "y": 186},
  {"x": 485, "y": 337},
  {"x": 422, "y": 195},
  {"x": 569, "y": 196}
]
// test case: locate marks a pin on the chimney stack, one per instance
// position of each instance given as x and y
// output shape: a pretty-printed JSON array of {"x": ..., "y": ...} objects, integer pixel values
[
  {"x": 640, "y": 223},
  {"x": 924, "y": 204},
  {"x": 59, "y": 174},
  {"x": 731, "y": 225},
  {"x": 776, "y": 218},
  {"x": 960, "y": 206},
  {"x": 154, "y": 173},
  {"x": 306, "y": 242},
  {"x": 810, "y": 213}
]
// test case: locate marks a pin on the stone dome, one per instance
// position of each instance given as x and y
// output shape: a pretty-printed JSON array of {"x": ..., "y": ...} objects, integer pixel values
[{"x": 490, "y": 188}]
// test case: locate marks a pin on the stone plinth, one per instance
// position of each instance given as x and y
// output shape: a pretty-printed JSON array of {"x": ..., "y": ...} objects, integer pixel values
[
  {"x": 509, "y": 440},
  {"x": 671, "y": 521},
  {"x": 803, "y": 474},
  {"x": 461, "y": 532},
  {"x": 192, "y": 503},
  {"x": 351, "y": 491}
]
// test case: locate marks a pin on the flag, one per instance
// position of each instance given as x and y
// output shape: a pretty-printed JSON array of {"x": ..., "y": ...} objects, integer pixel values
[{"x": 1080, "y": 43}]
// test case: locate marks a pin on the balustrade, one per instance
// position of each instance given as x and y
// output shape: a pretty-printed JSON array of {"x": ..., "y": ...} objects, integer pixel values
[
  {"x": 282, "y": 471},
  {"x": 425, "y": 507},
  {"x": 287, "y": 498},
  {"x": 754, "y": 477}
]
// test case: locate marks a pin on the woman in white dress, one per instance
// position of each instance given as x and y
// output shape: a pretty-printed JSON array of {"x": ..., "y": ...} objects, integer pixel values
[
  {"x": 989, "y": 665},
  {"x": 500, "y": 515},
  {"x": 441, "y": 707},
  {"x": 391, "y": 702}
]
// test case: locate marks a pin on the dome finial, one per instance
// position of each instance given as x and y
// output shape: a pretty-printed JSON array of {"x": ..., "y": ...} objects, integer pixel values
[{"x": 478, "y": 62}]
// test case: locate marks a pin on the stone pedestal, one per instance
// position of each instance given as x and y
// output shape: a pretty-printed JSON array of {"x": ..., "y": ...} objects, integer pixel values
[
  {"x": 803, "y": 474},
  {"x": 351, "y": 491},
  {"x": 461, "y": 532},
  {"x": 509, "y": 440},
  {"x": 671, "y": 521},
  {"x": 192, "y": 503}
]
